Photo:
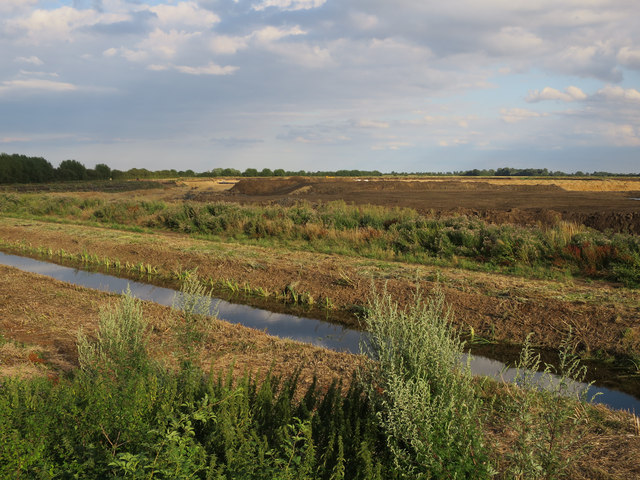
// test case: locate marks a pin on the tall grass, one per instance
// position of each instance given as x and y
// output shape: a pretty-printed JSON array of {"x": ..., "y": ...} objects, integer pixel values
[
  {"x": 544, "y": 413},
  {"x": 121, "y": 344}
]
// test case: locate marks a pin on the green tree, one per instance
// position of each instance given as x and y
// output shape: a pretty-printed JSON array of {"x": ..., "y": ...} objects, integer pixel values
[
  {"x": 71, "y": 170},
  {"x": 103, "y": 171}
]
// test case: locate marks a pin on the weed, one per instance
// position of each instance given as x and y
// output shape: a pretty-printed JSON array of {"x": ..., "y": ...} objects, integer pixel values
[
  {"x": 231, "y": 285},
  {"x": 328, "y": 304},
  {"x": 195, "y": 303},
  {"x": 545, "y": 415},
  {"x": 121, "y": 344},
  {"x": 345, "y": 280},
  {"x": 427, "y": 403}
]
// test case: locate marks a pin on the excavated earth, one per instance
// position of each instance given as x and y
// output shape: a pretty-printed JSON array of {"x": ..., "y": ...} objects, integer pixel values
[{"x": 601, "y": 204}]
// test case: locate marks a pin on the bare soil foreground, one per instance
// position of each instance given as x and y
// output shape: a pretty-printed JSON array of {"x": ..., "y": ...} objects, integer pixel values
[
  {"x": 603, "y": 317},
  {"x": 609, "y": 204}
]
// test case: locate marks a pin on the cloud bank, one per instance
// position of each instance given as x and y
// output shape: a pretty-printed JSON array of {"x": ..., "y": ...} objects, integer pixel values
[{"x": 321, "y": 85}]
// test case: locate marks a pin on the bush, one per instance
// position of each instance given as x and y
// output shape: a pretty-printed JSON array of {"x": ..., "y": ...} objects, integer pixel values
[
  {"x": 121, "y": 345},
  {"x": 424, "y": 395}
]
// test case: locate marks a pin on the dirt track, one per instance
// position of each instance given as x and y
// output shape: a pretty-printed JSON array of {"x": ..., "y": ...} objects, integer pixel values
[{"x": 604, "y": 205}]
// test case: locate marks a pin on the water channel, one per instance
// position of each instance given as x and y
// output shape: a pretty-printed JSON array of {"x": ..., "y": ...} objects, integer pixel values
[{"x": 317, "y": 332}]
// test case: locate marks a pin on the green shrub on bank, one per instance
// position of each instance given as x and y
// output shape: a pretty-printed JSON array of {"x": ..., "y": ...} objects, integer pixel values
[{"x": 425, "y": 397}]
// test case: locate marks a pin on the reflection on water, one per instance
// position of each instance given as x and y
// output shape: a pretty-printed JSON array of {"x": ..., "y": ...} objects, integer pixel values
[
  {"x": 308, "y": 330},
  {"x": 316, "y": 332}
]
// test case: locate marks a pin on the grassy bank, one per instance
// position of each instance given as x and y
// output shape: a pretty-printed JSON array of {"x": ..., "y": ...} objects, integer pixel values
[
  {"x": 412, "y": 413},
  {"x": 495, "y": 307},
  {"x": 366, "y": 231}
]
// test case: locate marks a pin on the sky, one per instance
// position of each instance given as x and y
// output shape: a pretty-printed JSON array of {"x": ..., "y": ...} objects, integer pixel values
[{"x": 392, "y": 85}]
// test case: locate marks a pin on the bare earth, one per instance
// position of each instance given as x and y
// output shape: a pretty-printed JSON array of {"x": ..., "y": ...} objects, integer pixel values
[{"x": 600, "y": 204}]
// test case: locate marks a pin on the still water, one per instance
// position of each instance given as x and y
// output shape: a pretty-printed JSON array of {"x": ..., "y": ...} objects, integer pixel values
[{"x": 308, "y": 330}]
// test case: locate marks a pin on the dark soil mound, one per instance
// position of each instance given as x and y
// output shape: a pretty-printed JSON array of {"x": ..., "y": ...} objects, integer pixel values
[{"x": 263, "y": 186}]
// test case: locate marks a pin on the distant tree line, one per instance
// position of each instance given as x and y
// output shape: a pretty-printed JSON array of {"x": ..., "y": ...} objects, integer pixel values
[{"x": 16, "y": 168}]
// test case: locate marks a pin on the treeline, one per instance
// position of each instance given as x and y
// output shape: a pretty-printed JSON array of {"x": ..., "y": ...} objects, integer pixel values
[
  {"x": 16, "y": 168},
  {"x": 22, "y": 169}
]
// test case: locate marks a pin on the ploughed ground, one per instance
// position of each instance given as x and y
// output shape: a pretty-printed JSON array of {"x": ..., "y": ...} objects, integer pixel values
[
  {"x": 40, "y": 319},
  {"x": 602, "y": 317},
  {"x": 603, "y": 204}
]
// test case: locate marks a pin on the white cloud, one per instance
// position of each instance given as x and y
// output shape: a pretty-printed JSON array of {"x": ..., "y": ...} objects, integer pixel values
[
  {"x": 453, "y": 142},
  {"x": 184, "y": 14},
  {"x": 372, "y": 124},
  {"x": 227, "y": 45},
  {"x": 157, "y": 68},
  {"x": 310, "y": 56},
  {"x": 43, "y": 27},
  {"x": 364, "y": 21},
  {"x": 617, "y": 93},
  {"x": 210, "y": 69},
  {"x": 14, "y": 139},
  {"x": 623, "y": 135},
  {"x": 570, "y": 94},
  {"x": 29, "y": 73},
  {"x": 515, "y": 115},
  {"x": 11, "y": 6},
  {"x": 158, "y": 44},
  {"x": 290, "y": 5},
  {"x": 513, "y": 40},
  {"x": 165, "y": 44},
  {"x": 271, "y": 34},
  {"x": 46, "y": 26},
  {"x": 34, "y": 85},
  {"x": 629, "y": 57},
  {"x": 262, "y": 37},
  {"x": 33, "y": 60},
  {"x": 391, "y": 146}
]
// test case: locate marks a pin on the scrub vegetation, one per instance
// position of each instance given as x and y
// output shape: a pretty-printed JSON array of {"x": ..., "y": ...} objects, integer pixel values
[
  {"x": 369, "y": 231},
  {"x": 413, "y": 412}
]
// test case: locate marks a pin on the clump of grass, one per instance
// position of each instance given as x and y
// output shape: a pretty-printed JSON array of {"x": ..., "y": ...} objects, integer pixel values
[{"x": 194, "y": 325}]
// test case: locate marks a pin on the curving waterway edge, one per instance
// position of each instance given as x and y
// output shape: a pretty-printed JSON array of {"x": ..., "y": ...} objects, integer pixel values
[{"x": 316, "y": 332}]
